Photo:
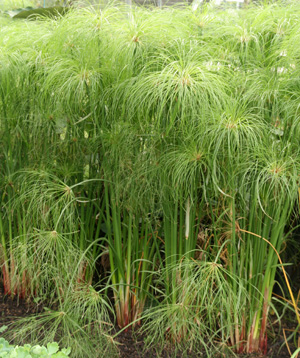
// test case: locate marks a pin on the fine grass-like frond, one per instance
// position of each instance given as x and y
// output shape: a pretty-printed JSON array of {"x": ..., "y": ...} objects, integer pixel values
[
  {"x": 187, "y": 164},
  {"x": 201, "y": 314},
  {"x": 80, "y": 321},
  {"x": 236, "y": 128},
  {"x": 276, "y": 172},
  {"x": 47, "y": 199},
  {"x": 181, "y": 87},
  {"x": 44, "y": 263}
]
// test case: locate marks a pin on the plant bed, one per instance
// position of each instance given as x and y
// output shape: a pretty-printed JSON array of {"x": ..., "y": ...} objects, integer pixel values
[{"x": 130, "y": 344}]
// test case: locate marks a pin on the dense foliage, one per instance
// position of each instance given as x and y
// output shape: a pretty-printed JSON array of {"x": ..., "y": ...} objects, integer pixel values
[{"x": 153, "y": 156}]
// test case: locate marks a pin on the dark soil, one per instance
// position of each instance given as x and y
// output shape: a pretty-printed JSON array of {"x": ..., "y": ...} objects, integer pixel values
[
  {"x": 130, "y": 346},
  {"x": 11, "y": 309},
  {"x": 133, "y": 347}
]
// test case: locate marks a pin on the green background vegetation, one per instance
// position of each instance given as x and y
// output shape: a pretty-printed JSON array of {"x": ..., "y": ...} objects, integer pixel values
[{"x": 151, "y": 157}]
